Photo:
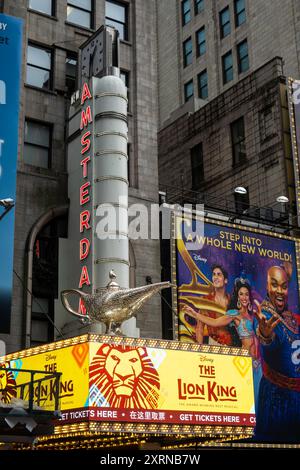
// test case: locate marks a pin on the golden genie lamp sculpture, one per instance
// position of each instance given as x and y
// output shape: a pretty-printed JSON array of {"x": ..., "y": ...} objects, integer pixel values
[{"x": 114, "y": 304}]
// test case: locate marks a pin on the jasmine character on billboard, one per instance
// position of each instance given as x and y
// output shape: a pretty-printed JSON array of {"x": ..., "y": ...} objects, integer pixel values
[
  {"x": 239, "y": 313},
  {"x": 278, "y": 411}
]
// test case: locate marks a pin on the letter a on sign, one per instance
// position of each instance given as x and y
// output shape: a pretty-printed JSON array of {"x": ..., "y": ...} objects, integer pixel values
[{"x": 86, "y": 94}]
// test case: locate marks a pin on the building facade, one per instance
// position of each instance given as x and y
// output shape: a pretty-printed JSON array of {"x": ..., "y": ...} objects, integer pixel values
[
  {"x": 53, "y": 32},
  {"x": 240, "y": 138},
  {"x": 212, "y": 44}
]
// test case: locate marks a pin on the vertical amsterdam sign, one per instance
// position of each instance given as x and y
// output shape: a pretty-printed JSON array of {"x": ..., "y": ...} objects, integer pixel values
[{"x": 10, "y": 72}]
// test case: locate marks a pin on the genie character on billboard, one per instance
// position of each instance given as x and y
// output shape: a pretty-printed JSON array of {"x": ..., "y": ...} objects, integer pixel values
[
  {"x": 238, "y": 287},
  {"x": 10, "y": 73}
]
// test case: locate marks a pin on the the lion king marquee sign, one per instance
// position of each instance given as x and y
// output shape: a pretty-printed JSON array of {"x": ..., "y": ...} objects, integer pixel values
[{"x": 133, "y": 380}]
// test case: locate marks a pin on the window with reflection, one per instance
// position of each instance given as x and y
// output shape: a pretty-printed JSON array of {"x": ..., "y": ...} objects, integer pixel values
[
  {"x": 116, "y": 15},
  {"x": 201, "y": 42},
  {"x": 227, "y": 66},
  {"x": 39, "y": 67},
  {"x": 37, "y": 144},
  {"x": 187, "y": 52},
  {"x": 243, "y": 56},
  {"x": 225, "y": 27},
  {"x": 124, "y": 75},
  {"x": 203, "y": 85},
  {"x": 71, "y": 67},
  {"x": 188, "y": 90},
  {"x": 80, "y": 12},
  {"x": 186, "y": 12},
  {"x": 42, "y": 6}
]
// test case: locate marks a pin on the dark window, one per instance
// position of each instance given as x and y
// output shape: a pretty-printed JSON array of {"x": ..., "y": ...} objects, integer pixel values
[
  {"x": 41, "y": 326},
  {"x": 199, "y": 6},
  {"x": 80, "y": 12},
  {"x": 241, "y": 202},
  {"x": 227, "y": 66},
  {"x": 225, "y": 22},
  {"x": 45, "y": 279},
  {"x": 186, "y": 11},
  {"x": 116, "y": 15},
  {"x": 239, "y": 12},
  {"x": 71, "y": 67},
  {"x": 39, "y": 67},
  {"x": 187, "y": 52},
  {"x": 124, "y": 75},
  {"x": 197, "y": 166},
  {"x": 188, "y": 90},
  {"x": 200, "y": 41},
  {"x": 243, "y": 57},
  {"x": 238, "y": 141},
  {"x": 37, "y": 144},
  {"x": 43, "y": 6},
  {"x": 203, "y": 85}
]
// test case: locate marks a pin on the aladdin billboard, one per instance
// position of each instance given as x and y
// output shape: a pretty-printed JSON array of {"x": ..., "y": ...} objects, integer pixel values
[
  {"x": 128, "y": 381},
  {"x": 10, "y": 72},
  {"x": 239, "y": 287}
]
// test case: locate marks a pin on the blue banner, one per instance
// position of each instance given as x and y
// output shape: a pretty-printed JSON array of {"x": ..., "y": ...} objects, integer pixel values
[{"x": 10, "y": 73}]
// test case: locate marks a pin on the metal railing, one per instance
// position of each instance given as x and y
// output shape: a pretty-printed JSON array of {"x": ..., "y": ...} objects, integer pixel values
[
  {"x": 281, "y": 216},
  {"x": 40, "y": 393}
]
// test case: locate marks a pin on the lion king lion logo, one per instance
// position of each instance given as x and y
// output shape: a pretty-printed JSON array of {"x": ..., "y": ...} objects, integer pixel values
[
  {"x": 8, "y": 388},
  {"x": 125, "y": 376}
]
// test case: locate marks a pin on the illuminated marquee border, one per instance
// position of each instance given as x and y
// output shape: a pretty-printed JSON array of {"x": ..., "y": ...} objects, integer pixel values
[
  {"x": 192, "y": 216},
  {"x": 134, "y": 342}
]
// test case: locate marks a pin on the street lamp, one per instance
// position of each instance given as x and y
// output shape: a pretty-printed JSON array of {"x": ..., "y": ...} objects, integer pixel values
[
  {"x": 240, "y": 190},
  {"x": 282, "y": 199},
  {"x": 8, "y": 204}
]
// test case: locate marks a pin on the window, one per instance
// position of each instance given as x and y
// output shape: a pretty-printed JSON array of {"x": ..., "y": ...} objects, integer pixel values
[
  {"x": 200, "y": 41},
  {"x": 37, "y": 144},
  {"x": 241, "y": 202},
  {"x": 227, "y": 66},
  {"x": 124, "y": 75},
  {"x": 238, "y": 141},
  {"x": 242, "y": 56},
  {"x": 43, "y": 6},
  {"x": 80, "y": 12},
  {"x": 188, "y": 90},
  {"x": 39, "y": 65},
  {"x": 197, "y": 166},
  {"x": 186, "y": 11},
  {"x": 41, "y": 327},
  {"x": 239, "y": 12},
  {"x": 225, "y": 22},
  {"x": 116, "y": 15},
  {"x": 71, "y": 67},
  {"x": 199, "y": 6},
  {"x": 202, "y": 85},
  {"x": 187, "y": 52}
]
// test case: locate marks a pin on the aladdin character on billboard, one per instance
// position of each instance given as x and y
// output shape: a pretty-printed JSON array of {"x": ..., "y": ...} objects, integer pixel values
[
  {"x": 219, "y": 331},
  {"x": 278, "y": 411}
]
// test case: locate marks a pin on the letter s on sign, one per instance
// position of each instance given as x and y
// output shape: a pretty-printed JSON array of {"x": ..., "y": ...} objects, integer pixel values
[{"x": 296, "y": 354}]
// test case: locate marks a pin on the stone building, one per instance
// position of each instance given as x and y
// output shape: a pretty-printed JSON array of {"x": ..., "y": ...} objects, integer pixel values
[
  {"x": 53, "y": 32},
  {"x": 240, "y": 138},
  {"x": 209, "y": 45}
]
